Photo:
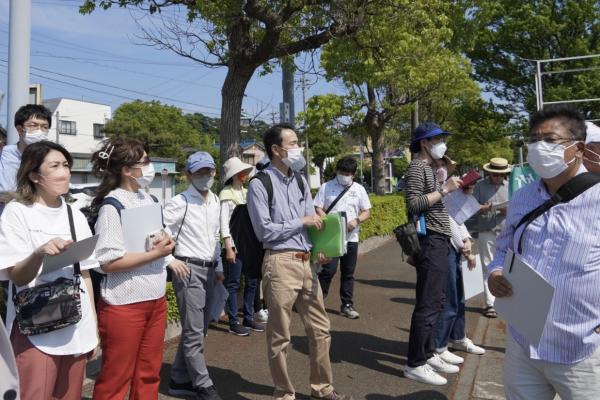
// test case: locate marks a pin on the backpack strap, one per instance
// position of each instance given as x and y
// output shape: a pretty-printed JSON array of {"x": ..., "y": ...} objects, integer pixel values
[
  {"x": 183, "y": 220},
  {"x": 113, "y": 202},
  {"x": 265, "y": 179},
  {"x": 300, "y": 181},
  {"x": 567, "y": 192}
]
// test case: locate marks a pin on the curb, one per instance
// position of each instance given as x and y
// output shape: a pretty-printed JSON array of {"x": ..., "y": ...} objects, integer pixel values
[{"x": 466, "y": 381}]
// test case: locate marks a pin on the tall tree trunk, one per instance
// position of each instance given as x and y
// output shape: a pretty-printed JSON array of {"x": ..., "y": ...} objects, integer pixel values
[
  {"x": 232, "y": 95},
  {"x": 375, "y": 125}
]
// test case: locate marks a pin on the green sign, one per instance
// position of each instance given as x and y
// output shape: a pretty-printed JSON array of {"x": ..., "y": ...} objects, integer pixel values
[{"x": 519, "y": 177}]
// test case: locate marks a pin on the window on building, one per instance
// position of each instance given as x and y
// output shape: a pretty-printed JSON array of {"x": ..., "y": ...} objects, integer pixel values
[
  {"x": 98, "y": 131},
  {"x": 68, "y": 127}
]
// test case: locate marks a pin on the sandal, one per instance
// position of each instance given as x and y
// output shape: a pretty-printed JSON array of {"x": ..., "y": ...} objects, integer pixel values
[{"x": 490, "y": 312}]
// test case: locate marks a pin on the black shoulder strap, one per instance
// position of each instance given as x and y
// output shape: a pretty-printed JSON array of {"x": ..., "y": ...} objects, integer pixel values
[
  {"x": 567, "y": 192},
  {"x": 76, "y": 266},
  {"x": 266, "y": 181},
  {"x": 300, "y": 181},
  {"x": 338, "y": 198},
  {"x": 154, "y": 198},
  {"x": 183, "y": 220},
  {"x": 113, "y": 202}
]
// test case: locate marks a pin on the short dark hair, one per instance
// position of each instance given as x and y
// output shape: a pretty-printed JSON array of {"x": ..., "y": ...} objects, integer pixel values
[
  {"x": 29, "y": 111},
  {"x": 569, "y": 116},
  {"x": 346, "y": 164},
  {"x": 273, "y": 136}
]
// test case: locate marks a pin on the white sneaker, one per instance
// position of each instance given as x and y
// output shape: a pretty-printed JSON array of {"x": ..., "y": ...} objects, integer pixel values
[
  {"x": 261, "y": 316},
  {"x": 424, "y": 374},
  {"x": 440, "y": 365},
  {"x": 467, "y": 345},
  {"x": 451, "y": 358}
]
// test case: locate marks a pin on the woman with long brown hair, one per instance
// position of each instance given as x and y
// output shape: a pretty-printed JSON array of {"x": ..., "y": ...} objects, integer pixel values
[
  {"x": 132, "y": 310},
  {"x": 36, "y": 225}
]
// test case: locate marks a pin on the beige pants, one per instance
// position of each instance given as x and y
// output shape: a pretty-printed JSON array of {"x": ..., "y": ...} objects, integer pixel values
[
  {"x": 527, "y": 379},
  {"x": 288, "y": 280},
  {"x": 487, "y": 248}
]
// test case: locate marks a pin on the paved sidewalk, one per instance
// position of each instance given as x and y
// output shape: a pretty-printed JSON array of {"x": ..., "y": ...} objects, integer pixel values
[{"x": 367, "y": 355}]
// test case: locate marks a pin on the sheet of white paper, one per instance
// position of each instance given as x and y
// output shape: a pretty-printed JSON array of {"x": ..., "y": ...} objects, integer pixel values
[
  {"x": 217, "y": 302},
  {"x": 472, "y": 279},
  {"x": 461, "y": 206},
  {"x": 138, "y": 223},
  {"x": 498, "y": 206},
  {"x": 528, "y": 307},
  {"x": 77, "y": 251}
]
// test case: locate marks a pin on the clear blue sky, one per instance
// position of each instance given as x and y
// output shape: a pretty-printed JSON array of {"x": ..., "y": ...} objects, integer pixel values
[{"x": 104, "y": 48}]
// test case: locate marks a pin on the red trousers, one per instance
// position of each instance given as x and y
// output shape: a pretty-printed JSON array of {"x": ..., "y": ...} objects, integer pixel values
[
  {"x": 45, "y": 376},
  {"x": 131, "y": 338}
]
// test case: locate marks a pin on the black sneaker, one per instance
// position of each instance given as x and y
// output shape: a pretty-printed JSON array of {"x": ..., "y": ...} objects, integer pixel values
[
  {"x": 208, "y": 393},
  {"x": 181, "y": 389},
  {"x": 239, "y": 330},
  {"x": 254, "y": 326},
  {"x": 349, "y": 312}
]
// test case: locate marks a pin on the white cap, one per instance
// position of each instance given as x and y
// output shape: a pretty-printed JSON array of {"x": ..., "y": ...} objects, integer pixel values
[{"x": 593, "y": 133}]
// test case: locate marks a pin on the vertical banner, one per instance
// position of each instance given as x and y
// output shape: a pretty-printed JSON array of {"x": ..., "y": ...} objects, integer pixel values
[{"x": 519, "y": 177}]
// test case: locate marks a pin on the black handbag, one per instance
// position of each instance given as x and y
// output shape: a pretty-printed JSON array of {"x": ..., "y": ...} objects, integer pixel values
[
  {"x": 407, "y": 237},
  {"x": 51, "y": 306}
]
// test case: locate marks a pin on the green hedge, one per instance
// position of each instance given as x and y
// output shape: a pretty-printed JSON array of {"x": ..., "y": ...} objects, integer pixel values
[
  {"x": 388, "y": 212},
  {"x": 172, "y": 311}
]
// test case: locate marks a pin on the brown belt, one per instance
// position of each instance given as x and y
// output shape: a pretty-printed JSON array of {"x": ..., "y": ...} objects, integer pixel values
[{"x": 304, "y": 256}]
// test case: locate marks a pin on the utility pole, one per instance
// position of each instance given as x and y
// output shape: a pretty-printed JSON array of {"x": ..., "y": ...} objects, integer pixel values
[
  {"x": 19, "y": 53},
  {"x": 287, "y": 84},
  {"x": 57, "y": 126},
  {"x": 303, "y": 85},
  {"x": 273, "y": 116}
]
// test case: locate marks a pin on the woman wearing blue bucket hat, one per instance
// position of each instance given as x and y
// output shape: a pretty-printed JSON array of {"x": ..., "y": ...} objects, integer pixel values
[{"x": 424, "y": 195}]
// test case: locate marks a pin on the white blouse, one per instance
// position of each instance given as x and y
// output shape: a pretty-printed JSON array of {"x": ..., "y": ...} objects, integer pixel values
[
  {"x": 143, "y": 283},
  {"x": 24, "y": 228}
]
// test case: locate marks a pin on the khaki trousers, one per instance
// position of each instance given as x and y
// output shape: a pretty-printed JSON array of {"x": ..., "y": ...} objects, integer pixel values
[{"x": 288, "y": 280}]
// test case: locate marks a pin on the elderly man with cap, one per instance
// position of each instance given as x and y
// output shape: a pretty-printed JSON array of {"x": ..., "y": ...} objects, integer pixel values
[
  {"x": 492, "y": 194},
  {"x": 591, "y": 154},
  {"x": 193, "y": 218},
  {"x": 233, "y": 194},
  {"x": 424, "y": 193}
]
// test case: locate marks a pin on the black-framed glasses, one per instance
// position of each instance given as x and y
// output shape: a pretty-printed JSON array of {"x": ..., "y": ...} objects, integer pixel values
[
  {"x": 34, "y": 126},
  {"x": 549, "y": 140},
  {"x": 145, "y": 161}
]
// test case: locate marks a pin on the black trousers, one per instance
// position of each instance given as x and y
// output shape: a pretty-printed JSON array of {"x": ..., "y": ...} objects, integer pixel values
[
  {"x": 347, "y": 267},
  {"x": 432, "y": 277}
]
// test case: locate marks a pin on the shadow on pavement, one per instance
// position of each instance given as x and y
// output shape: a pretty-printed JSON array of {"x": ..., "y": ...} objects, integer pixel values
[
  {"x": 387, "y": 283},
  {"x": 241, "y": 390},
  {"x": 362, "y": 349},
  {"x": 420, "y": 395}
]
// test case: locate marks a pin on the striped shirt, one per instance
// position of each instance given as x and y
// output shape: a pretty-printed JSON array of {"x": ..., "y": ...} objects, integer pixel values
[
  {"x": 420, "y": 181},
  {"x": 562, "y": 246}
]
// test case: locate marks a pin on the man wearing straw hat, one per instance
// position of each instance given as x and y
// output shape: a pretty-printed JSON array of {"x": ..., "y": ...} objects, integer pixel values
[
  {"x": 591, "y": 154},
  {"x": 492, "y": 194}
]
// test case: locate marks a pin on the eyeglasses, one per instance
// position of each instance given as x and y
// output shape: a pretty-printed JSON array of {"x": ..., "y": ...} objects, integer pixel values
[
  {"x": 33, "y": 126},
  {"x": 145, "y": 161},
  {"x": 549, "y": 139}
]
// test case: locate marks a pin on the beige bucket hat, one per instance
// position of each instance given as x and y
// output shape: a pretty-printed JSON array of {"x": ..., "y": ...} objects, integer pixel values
[{"x": 234, "y": 166}]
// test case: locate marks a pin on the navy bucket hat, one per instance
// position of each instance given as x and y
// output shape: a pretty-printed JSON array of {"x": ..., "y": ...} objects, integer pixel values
[{"x": 425, "y": 131}]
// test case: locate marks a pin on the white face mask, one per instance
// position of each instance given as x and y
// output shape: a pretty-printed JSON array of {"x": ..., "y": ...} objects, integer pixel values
[
  {"x": 295, "y": 160},
  {"x": 441, "y": 174},
  {"x": 147, "y": 176},
  {"x": 548, "y": 159},
  {"x": 35, "y": 136},
  {"x": 344, "y": 180},
  {"x": 438, "y": 150},
  {"x": 203, "y": 183}
]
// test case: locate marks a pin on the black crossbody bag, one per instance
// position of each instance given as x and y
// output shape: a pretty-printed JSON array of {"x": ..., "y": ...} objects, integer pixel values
[{"x": 51, "y": 306}]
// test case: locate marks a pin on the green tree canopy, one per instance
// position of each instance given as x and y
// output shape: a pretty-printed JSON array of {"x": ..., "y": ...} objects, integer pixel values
[{"x": 163, "y": 127}]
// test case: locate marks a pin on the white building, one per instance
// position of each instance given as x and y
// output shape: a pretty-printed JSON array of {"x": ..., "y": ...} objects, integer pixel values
[{"x": 77, "y": 125}]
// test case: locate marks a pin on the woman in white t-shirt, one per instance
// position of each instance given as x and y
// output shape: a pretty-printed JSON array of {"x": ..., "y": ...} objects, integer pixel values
[
  {"x": 35, "y": 225},
  {"x": 132, "y": 310}
]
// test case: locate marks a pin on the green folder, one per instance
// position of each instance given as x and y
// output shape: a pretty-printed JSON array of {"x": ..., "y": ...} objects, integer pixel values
[{"x": 331, "y": 239}]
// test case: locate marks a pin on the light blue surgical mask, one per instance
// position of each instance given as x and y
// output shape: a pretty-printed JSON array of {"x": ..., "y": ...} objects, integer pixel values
[{"x": 203, "y": 183}]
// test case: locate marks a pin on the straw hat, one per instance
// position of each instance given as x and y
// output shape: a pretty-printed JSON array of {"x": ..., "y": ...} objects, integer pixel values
[
  {"x": 498, "y": 165},
  {"x": 234, "y": 166},
  {"x": 450, "y": 164}
]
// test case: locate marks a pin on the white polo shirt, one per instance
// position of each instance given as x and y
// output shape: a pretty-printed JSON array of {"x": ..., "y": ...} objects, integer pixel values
[{"x": 353, "y": 202}]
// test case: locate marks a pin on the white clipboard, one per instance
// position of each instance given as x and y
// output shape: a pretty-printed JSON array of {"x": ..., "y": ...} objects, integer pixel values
[
  {"x": 472, "y": 279},
  {"x": 76, "y": 252},
  {"x": 528, "y": 308},
  {"x": 137, "y": 223}
]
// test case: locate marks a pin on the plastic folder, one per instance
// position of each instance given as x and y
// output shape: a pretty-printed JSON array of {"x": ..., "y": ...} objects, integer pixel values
[{"x": 330, "y": 239}]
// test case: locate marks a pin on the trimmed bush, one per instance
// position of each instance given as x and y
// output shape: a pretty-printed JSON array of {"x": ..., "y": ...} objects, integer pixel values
[
  {"x": 172, "y": 310},
  {"x": 388, "y": 212}
]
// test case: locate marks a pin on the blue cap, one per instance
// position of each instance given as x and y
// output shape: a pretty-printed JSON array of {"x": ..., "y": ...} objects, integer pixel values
[
  {"x": 199, "y": 159},
  {"x": 425, "y": 131}
]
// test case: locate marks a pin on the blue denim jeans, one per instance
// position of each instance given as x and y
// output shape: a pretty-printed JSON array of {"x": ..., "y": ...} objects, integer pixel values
[
  {"x": 234, "y": 276},
  {"x": 451, "y": 324}
]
